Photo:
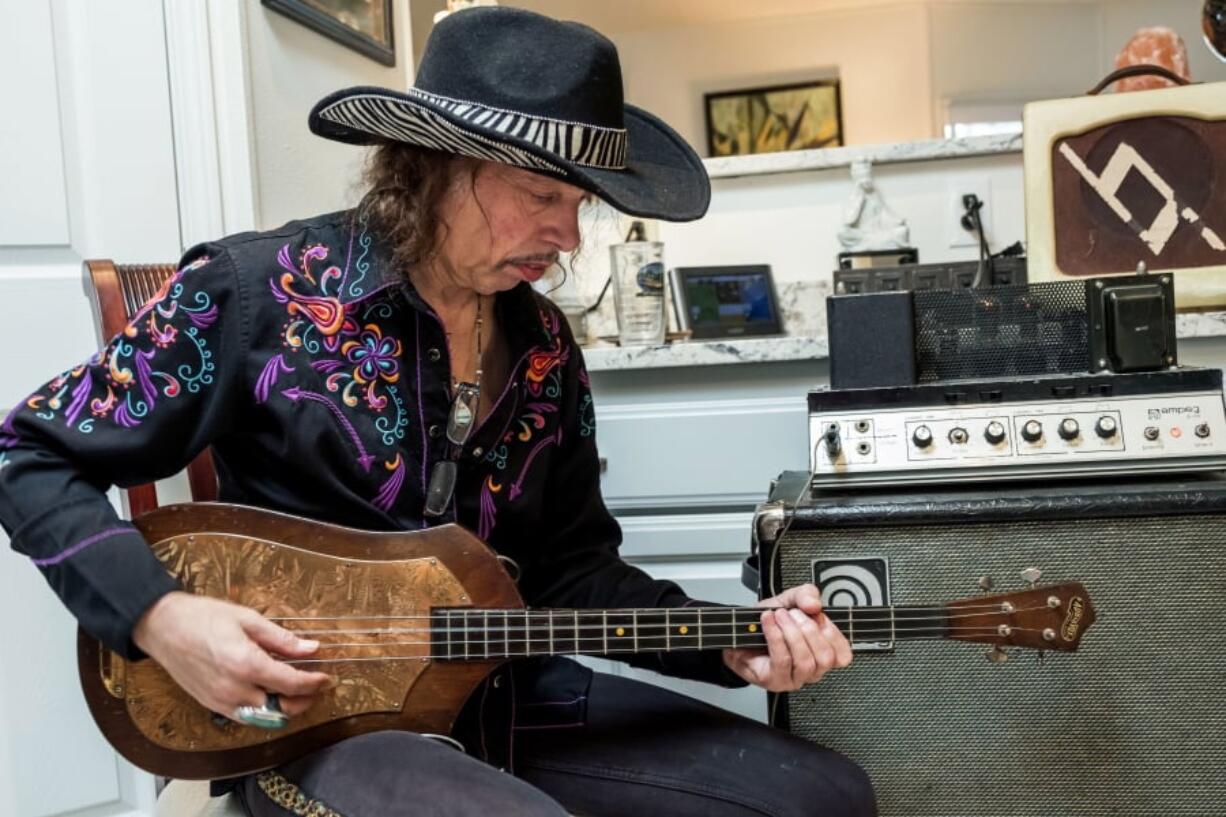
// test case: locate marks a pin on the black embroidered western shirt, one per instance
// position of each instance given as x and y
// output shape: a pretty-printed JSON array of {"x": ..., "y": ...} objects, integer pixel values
[{"x": 319, "y": 377}]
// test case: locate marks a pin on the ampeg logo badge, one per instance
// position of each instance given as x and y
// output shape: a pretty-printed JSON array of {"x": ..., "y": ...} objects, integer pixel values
[
  {"x": 855, "y": 582},
  {"x": 1177, "y": 411},
  {"x": 1072, "y": 621}
]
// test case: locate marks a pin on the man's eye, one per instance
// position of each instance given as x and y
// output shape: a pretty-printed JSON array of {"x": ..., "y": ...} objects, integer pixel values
[{"x": 545, "y": 198}]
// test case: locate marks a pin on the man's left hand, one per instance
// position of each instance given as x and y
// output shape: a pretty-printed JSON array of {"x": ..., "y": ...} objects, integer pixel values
[{"x": 802, "y": 643}]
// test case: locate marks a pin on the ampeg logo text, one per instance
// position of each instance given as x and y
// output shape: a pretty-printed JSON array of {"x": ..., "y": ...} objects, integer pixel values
[
  {"x": 1072, "y": 621},
  {"x": 1159, "y": 413},
  {"x": 854, "y": 582}
]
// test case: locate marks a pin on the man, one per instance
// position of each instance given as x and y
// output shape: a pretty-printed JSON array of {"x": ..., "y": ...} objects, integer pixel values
[{"x": 390, "y": 368}]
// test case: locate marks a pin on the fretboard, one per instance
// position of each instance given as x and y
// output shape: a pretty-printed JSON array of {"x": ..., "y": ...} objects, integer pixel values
[{"x": 465, "y": 633}]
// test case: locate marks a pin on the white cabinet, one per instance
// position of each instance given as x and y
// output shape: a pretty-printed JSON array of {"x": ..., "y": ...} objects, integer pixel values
[{"x": 689, "y": 453}]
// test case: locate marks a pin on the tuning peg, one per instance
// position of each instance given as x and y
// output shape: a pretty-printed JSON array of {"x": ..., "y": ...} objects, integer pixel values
[
  {"x": 986, "y": 583},
  {"x": 1031, "y": 575},
  {"x": 997, "y": 656}
]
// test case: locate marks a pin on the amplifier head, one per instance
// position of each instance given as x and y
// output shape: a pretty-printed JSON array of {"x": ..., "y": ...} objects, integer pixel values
[{"x": 1132, "y": 724}]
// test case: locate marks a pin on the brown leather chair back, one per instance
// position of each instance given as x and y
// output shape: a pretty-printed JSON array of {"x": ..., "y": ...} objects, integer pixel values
[{"x": 118, "y": 291}]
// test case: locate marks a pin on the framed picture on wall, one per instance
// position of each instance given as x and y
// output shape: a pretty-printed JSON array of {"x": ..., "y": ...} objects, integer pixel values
[
  {"x": 766, "y": 120},
  {"x": 363, "y": 25}
]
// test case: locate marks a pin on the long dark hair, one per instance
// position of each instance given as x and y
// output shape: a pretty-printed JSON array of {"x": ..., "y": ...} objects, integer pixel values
[{"x": 405, "y": 185}]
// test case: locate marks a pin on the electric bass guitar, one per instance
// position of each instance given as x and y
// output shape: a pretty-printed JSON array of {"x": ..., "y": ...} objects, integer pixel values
[{"x": 409, "y": 623}]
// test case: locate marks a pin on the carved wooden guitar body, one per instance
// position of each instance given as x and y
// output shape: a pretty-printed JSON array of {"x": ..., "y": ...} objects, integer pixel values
[{"x": 411, "y": 622}]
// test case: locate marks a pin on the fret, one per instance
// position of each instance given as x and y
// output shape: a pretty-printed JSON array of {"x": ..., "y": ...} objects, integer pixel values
[
  {"x": 667, "y": 633},
  {"x": 605, "y": 630},
  {"x": 634, "y": 628},
  {"x": 506, "y": 633},
  {"x": 564, "y": 633},
  {"x": 485, "y": 632},
  {"x": 683, "y": 628},
  {"x": 527, "y": 632},
  {"x": 718, "y": 627},
  {"x": 515, "y": 636},
  {"x": 748, "y": 628},
  {"x": 447, "y": 641},
  {"x": 651, "y": 627},
  {"x": 578, "y": 635},
  {"x": 465, "y": 627},
  {"x": 551, "y": 651},
  {"x": 619, "y": 630}
]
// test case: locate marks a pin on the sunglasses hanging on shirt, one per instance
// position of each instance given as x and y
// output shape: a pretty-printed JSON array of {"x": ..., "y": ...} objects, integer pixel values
[{"x": 461, "y": 420}]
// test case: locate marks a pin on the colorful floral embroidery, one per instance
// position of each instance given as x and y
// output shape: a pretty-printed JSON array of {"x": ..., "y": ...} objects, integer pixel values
[
  {"x": 543, "y": 384},
  {"x": 587, "y": 411},
  {"x": 123, "y": 381},
  {"x": 347, "y": 345}
]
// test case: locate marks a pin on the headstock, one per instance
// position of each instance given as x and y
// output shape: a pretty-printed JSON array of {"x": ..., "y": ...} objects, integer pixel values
[{"x": 1051, "y": 617}]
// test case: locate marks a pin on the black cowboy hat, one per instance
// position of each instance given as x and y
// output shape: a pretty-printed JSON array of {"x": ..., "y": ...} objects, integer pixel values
[{"x": 512, "y": 86}]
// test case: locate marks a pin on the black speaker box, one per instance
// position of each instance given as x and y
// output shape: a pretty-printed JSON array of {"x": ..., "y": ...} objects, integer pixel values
[
  {"x": 1131, "y": 724},
  {"x": 872, "y": 340}
]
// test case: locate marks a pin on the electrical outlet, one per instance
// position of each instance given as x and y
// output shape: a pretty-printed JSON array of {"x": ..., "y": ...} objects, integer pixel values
[{"x": 959, "y": 236}]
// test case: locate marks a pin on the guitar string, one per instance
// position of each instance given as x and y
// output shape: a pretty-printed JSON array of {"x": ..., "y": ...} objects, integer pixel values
[
  {"x": 902, "y": 608},
  {"x": 647, "y": 625},
  {"x": 611, "y": 651},
  {"x": 884, "y": 633}
]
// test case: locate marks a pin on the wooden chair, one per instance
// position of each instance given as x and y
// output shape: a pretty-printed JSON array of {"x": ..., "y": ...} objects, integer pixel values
[{"x": 118, "y": 291}]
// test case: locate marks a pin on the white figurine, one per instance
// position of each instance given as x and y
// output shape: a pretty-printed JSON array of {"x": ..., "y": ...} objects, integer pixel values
[{"x": 868, "y": 222}]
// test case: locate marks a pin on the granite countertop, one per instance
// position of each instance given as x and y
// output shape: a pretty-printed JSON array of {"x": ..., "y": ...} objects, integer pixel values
[
  {"x": 610, "y": 357},
  {"x": 825, "y": 158}
]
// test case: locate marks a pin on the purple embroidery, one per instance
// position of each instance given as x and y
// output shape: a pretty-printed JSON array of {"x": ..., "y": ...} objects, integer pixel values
[
  {"x": 517, "y": 487},
  {"x": 80, "y": 546},
  {"x": 421, "y": 411},
  {"x": 124, "y": 371},
  {"x": 268, "y": 377},
  {"x": 295, "y": 394},
  {"x": 391, "y": 488}
]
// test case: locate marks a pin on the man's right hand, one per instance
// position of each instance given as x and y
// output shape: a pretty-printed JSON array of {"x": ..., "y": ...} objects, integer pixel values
[{"x": 219, "y": 653}]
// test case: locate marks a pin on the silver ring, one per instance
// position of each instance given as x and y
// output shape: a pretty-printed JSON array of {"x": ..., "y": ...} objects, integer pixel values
[{"x": 268, "y": 716}]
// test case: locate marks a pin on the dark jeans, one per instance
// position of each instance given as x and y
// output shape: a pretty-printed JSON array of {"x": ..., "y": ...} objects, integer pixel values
[{"x": 643, "y": 751}]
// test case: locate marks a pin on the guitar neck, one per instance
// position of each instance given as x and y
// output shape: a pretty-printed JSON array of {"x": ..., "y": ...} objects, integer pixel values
[{"x": 465, "y": 633}]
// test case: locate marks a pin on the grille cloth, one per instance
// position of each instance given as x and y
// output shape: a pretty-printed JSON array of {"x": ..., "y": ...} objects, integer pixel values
[
  {"x": 1133, "y": 724},
  {"x": 1001, "y": 331}
]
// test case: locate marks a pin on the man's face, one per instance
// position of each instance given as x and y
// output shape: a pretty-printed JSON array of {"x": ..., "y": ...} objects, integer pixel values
[{"x": 505, "y": 225}]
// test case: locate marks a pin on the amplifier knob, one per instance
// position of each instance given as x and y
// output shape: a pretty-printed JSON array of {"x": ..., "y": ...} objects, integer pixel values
[
  {"x": 1032, "y": 432},
  {"x": 922, "y": 437},
  {"x": 1105, "y": 427},
  {"x": 994, "y": 433},
  {"x": 1069, "y": 429},
  {"x": 958, "y": 435}
]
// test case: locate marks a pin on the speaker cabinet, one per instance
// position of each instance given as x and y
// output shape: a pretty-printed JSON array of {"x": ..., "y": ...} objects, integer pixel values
[{"x": 1132, "y": 724}]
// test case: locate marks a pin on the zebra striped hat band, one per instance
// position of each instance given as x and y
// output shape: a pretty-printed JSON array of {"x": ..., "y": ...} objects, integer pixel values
[
  {"x": 394, "y": 117},
  {"x": 512, "y": 86}
]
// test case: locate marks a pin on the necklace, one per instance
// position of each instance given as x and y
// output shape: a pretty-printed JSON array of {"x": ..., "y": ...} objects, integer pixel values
[{"x": 468, "y": 395}]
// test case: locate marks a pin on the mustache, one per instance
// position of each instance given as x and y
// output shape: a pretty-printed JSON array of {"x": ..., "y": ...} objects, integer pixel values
[{"x": 548, "y": 259}]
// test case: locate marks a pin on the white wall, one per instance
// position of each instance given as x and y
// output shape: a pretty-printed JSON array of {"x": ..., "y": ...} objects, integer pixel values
[
  {"x": 791, "y": 221},
  {"x": 1121, "y": 19},
  {"x": 881, "y": 59},
  {"x": 292, "y": 67},
  {"x": 1012, "y": 52}
]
